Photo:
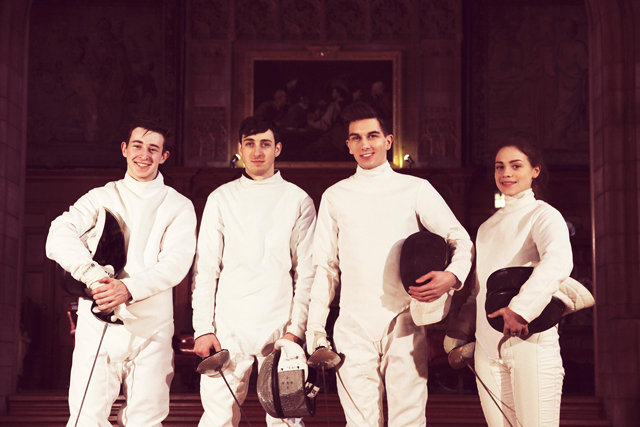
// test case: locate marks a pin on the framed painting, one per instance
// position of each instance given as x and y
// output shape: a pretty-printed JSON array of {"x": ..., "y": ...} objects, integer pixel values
[{"x": 305, "y": 92}]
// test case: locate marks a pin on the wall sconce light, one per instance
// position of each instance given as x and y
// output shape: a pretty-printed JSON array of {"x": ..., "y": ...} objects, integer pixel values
[
  {"x": 407, "y": 158},
  {"x": 498, "y": 200},
  {"x": 234, "y": 160}
]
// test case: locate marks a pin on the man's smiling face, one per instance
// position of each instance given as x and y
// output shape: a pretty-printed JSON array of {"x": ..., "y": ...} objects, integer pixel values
[{"x": 144, "y": 153}]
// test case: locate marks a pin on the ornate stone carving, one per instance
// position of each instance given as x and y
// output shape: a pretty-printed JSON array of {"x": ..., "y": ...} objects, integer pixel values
[
  {"x": 438, "y": 19},
  {"x": 347, "y": 20},
  {"x": 536, "y": 79},
  {"x": 210, "y": 19},
  {"x": 257, "y": 20},
  {"x": 208, "y": 136},
  {"x": 392, "y": 20},
  {"x": 301, "y": 19},
  {"x": 439, "y": 139},
  {"x": 92, "y": 68}
]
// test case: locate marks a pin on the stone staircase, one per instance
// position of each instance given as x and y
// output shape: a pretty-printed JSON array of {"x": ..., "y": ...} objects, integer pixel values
[{"x": 50, "y": 409}]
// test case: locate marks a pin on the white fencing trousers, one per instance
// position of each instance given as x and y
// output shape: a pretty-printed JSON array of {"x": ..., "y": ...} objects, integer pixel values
[
  {"x": 144, "y": 366},
  {"x": 528, "y": 378},
  {"x": 220, "y": 409},
  {"x": 397, "y": 363}
]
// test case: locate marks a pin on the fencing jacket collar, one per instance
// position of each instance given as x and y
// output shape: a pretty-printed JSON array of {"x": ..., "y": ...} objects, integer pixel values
[
  {"x": 144, "y": 188},
  {"x": 276, "y": 178},
  {"x": 523, "y": 198},
  {"x": 381, "y": 170}
]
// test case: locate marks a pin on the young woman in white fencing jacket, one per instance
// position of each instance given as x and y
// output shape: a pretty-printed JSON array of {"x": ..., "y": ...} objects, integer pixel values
[{"x": 524, "y": 370}]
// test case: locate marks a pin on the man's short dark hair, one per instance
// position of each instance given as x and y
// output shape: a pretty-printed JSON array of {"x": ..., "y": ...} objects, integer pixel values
[
  {"x": 152, "y": 125},
  {"x": 252, "y": 125},
  {"x": 362, "y": 111}
]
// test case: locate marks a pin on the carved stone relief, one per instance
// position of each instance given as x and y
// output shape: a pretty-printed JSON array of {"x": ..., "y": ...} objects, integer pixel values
[
  {"x": 535, "y": 62},
  {"x": 210, "y": 19},
  {"x": 438, "y": 19},
  {"x": 439, "y": 139},
  {"x": 347, "y": 20},
  {"x": 91, "y": 69},
  {"x": 209, "y": 73},
  {"x": 257, "y": 20},
  {"x": 392, "y": 20},
  {"x": 208, "y": 136},
  {"x": 301, "y": 19}
]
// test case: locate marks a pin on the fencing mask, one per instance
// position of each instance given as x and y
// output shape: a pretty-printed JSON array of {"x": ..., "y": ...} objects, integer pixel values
[
  {"x": 285, "y": 387},
  {"x": 421, "y": 253},
  {"x": 106, "y": 243},
  {"x": 504, "y": 284}
]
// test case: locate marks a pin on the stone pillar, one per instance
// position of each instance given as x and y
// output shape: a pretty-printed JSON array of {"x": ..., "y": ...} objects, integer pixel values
[
  {"x": 614, "y": 56},
  {"x": 13, "y": 107}
]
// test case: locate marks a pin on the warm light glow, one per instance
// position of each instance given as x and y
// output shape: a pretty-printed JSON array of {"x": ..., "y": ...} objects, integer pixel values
[{"x": 498, "y": 200}]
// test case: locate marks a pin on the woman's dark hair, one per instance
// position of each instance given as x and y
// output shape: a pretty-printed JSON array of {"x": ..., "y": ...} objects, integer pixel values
[{"x": 534, "y": 155}]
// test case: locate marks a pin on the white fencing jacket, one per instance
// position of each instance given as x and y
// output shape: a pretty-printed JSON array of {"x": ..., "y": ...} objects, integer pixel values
[
  {"x": 526, "y": 232},
  {"x": 362, "y": 222},
  {"x": 159, "y": 227},
  {"x": 253, "y": 269}
]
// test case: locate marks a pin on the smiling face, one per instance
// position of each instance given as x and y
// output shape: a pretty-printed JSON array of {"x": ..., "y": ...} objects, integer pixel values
[
  {"x": 258, "y": 153},
  {"x": 367, "y": 143},
  {"x": 144, "y": 153},
  {"x": 513, "y": 171}
]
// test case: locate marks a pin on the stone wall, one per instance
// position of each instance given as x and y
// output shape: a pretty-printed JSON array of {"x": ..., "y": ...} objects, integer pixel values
[{"x": 14, "y": 18}]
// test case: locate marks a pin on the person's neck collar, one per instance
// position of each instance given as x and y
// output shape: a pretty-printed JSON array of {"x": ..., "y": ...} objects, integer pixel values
[
  {"x": 375, "y": 171},
  {"x": 249, "y": 179},
  {"x": 517, "y": 200},
  {"x": 141, "y": 187}
]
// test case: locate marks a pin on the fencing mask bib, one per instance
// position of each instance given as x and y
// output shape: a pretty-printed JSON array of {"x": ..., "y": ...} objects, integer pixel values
[
  {"x": 421, "y": 253},
  {"x": 504, "y": 284},
  {"x": 284, "y": 386}
]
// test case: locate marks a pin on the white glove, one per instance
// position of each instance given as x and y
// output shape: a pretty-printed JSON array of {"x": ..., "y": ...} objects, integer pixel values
[
  {"x": 93, "y": 272},
  {"x": 315, "y": 339}
]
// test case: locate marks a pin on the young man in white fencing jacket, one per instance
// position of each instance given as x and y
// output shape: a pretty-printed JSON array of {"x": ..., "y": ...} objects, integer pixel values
[
  {"x": 253, "y": 270},
  {"x": 362, "y": 222},
  {"x": 159, "y": 227}
]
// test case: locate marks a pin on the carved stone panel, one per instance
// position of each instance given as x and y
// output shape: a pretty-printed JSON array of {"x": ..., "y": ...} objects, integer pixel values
[
  {"x": 392, "y": 20},
  {"x": 533, "y": 78},
  {"x": 301, "y": 19},
  {"x": 207, "y": 139},
  {"x": 92, "y": 67},
  {"x": 257, "y": 20},
  {"x": 210, "y": 19},
  {"x": 209, "y": 74},
  {"x": 438, "y": 19},
  {"x": 439, "y": 138},
  {"x": 341, "y": 16}
]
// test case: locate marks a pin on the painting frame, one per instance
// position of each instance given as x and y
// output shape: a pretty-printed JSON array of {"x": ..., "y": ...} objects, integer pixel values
[{"x": 327, "y": 57}]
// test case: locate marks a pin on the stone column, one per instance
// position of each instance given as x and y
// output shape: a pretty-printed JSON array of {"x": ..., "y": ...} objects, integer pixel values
[
  {"x": 614, "y": 83},
  {"x": 13, "y": 107}
]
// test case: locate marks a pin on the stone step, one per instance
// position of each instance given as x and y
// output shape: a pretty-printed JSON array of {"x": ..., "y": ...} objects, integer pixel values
[{"x": 50, "y": 409}]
